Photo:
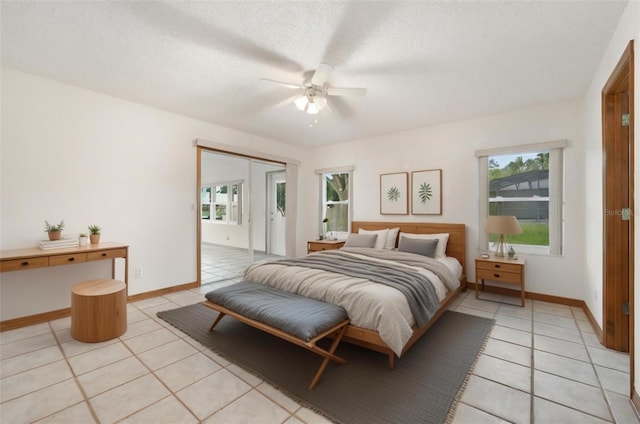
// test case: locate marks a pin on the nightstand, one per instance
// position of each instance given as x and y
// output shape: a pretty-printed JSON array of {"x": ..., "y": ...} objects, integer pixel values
[
  {"x": 503, "y": 270},
  {"x": 318, "y": 245}
]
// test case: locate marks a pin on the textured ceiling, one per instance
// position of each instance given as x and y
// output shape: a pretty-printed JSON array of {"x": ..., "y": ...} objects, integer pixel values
[{"x": 421, "y": 62}]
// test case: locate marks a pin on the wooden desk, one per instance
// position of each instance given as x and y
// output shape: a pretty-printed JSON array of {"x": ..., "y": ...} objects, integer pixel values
[{"x": 25, "y": 259}]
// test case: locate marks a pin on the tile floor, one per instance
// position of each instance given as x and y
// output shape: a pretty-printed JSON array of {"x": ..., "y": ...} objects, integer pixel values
[
  {"x": 542, "y": 364},
  {"x": 222, "y": 262}
]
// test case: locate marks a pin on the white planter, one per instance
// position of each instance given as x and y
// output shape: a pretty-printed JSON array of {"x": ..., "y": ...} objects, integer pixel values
[{"x": 84, "y": 241}]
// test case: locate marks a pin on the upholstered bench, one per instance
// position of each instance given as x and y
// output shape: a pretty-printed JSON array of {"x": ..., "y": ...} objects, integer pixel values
[{"x": 296, "y": 319}]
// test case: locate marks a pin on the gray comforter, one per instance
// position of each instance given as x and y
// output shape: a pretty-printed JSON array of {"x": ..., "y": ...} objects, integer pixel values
[{"x": 371, "y": 303}]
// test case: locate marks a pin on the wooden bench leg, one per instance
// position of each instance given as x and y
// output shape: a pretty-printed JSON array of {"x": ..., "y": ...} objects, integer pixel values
[
  {"x": 217, "y": 320},
  {"x": 328, "y": 355}
]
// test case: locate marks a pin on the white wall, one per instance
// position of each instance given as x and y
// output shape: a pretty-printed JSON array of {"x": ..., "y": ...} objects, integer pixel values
[
  {"x": 87, "y": 158},
  {"x": 451, "y": 147},
  {"x": 628, "y": 29}
]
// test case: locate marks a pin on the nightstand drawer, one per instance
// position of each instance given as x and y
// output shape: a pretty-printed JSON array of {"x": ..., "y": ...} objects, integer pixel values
[
  {"x": 499, "y": 275},
  {"x": 501, "y": 267},
  {"x": 317, "y": 246}
]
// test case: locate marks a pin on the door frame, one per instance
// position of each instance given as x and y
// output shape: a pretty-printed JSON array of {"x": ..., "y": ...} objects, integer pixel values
[{"x": 621, "y": 79}]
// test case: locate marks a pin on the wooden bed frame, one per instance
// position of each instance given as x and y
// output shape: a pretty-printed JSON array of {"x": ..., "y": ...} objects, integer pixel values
[{"x": 455, "y": 247}]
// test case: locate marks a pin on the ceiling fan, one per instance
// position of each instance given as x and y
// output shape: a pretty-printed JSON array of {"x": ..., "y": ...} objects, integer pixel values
[{"x": 313, "y": 92}]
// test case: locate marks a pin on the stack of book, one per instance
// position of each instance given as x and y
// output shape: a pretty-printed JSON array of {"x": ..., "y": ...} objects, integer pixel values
[{"x": 58, "y": 244}]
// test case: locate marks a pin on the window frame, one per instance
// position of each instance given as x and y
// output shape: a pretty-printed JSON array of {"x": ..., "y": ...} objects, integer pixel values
[
  {"x": 323, "y": 202},
  {"x": 231, "y": 206},
  {"x": 556, "y": 197}
]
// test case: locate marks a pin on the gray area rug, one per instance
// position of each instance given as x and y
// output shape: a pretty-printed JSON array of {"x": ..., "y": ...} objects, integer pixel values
[{"x": 421, "y": 389}]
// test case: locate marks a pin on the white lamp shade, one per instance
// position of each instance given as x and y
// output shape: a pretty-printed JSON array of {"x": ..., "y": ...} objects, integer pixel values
[
  {"x": 301, "y": 102},
  {"x": 312, "y": 109},
  {"x": 320, "y": 101}
]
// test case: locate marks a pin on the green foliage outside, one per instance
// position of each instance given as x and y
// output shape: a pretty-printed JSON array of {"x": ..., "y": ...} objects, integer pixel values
[
  {"x": 518, "y": 166},
  {"x": 337, "y": 191},
  {"x": 536, "y": 234}
]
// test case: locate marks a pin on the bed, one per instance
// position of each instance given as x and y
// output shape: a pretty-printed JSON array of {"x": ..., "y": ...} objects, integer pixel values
[{"x": 382, "y": 319}]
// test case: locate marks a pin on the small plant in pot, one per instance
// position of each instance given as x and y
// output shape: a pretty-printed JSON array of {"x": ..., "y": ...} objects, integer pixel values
[
  {"x": 94, "y": 231},
  {"x": 84, "y": 239},
  {"x": 54, "y": 230}
]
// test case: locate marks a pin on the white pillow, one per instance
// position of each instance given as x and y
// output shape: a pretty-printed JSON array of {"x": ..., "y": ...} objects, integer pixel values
[
  {"x": 442, "y": 241},
  {"x": 382, "y": 237},
  {"x": 391, "y": 238}
]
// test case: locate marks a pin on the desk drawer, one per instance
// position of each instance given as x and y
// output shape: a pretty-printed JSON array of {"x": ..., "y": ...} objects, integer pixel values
[
  {"x": 67, "y": 259},
  {"x": 106, "y": 254},
  {"x": 498, "y": 275},
  {"x": 499, "y": 266},
  {"x": 27, "y": 263}
]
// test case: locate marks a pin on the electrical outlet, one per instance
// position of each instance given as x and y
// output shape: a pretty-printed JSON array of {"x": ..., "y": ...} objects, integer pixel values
[{"x": 138, "y": 272}]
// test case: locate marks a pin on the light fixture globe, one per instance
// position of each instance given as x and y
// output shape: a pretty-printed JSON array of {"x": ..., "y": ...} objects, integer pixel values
[
  {"x": 312, "y": 109},
  {"x": 320, "y": 100},
  {"x": 301, "y": 102}
]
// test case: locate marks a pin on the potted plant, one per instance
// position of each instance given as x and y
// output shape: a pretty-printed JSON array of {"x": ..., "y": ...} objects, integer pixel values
[
  {"x": 94, "y": 231},
  {"x": 325, "y": 228},
  {"x": 54, "y": 230},
  {"x": 84, "y": 239}
]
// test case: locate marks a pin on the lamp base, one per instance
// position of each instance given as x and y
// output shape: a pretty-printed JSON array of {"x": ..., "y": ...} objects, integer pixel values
[{"x": 500, "y": 248}]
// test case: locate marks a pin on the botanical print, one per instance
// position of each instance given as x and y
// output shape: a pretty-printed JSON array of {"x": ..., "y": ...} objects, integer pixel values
[
  {"x": 426, "y": 192},
  {"x": 394, "y": 193}
]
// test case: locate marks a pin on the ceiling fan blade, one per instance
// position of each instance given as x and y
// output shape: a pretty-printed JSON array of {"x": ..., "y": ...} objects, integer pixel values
[
  {"x": 335, "y": 91},
  {"x": 321, "y": 74},
  {"x": 287, "y": 101},
  {"x": 284, "y": 84}
]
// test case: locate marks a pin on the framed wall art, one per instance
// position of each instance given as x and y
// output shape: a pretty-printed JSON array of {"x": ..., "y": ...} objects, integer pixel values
[
  {"x": 394, "y": 194},
  {"x": 426, "y": 192}
]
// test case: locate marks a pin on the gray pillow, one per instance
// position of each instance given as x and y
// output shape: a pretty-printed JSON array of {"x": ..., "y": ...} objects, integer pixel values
[
  {"x": 361, "y": 240},
  {"x": 424, "y": 247}
]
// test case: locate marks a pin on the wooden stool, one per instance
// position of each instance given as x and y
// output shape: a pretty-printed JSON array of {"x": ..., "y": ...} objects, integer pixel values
[{"x": 98, "y": 310}]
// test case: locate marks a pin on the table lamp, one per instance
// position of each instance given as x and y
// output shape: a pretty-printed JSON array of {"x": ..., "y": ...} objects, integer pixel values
[{"x": 502, "y": 225}]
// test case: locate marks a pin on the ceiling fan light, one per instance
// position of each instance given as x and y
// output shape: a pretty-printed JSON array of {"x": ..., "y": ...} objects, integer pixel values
[
  {"x": 301, "y": 102},
  {"x": 312, "y": 109},
  {"x": 320, "y": 101}
]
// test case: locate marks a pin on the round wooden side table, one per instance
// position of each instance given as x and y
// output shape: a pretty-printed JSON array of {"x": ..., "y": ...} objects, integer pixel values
[{"x": 98, "y": 310}]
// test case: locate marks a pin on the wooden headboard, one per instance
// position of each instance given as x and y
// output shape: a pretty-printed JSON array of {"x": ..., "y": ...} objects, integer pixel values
[{"x": 455, "y": 246}]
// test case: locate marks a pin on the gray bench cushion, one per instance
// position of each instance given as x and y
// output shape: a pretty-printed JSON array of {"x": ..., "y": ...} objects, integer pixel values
[{"x": 299, "y": 316}]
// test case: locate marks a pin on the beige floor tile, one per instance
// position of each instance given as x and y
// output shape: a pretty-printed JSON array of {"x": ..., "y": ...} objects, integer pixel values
[
  {"x": 25, "y": 345},
  {"x": 141, "y": 327},
  {"x": 513, "y": 322},
  {"x": 311, "y": 417},
  {"x": 97, "y": 358},
  {"x": 562, "y": 333},
  {"x": 226, "y": 386},
  {"x": 293, "y": 420},
  {"x": 110, "y": 376},
  {"x": 585, "y": 326},
  {"x": 34, "y": 379},
  {"x": 571, "y": 393},
  {"x": 246, "y": 376},
  {"x": 511, "y": 335},
  {"x": 565, "y": 367},
  {"x": 73, "y": 347},
  {"x": 64, "y": 335},
  {"x": 508, "y": 352},
  {"x": 466, "y": 414},
  {"x": 27, "y": 361},
  {"x": 487, "y": 306},
  {"x": 168, "y": 411},
  {"x": 555, "y": 320},
  {"x": 11, "y": 336},
  {"x": 42, "y": 403},
  {"x": 496, "y": 399},
  {"x": 622, "y": 409},
  {"x": 77, "y": 414},
  {"x": 591, "y": 340},
  {"x": 148, "y": 303},
  {"x": 150, "y": 340},
  {"x": 128, "y": 399},
  {"x": 471, "y": 311},
  {"x": 219, "y": 359},
  {"x": 135, "y": 315},
  {"x": 613, "y": 380},
  {"x": 253, "y": 407},
  {"x": 578, "y": 313},
  {"x": 187, "y": 371},
  {"x": 553, "y": 309},
  {"x": 515, "y": 311},
  {"x": 60, "y": 324},
  {"x": 548, "y": 412},
  {"x": 504, "y": 372},
  {"x": 164, "y": 355},
  {"x": 560, "y": 347},
  {"x": 609, "y": 358},
  {"x": 278, "y": 397}
]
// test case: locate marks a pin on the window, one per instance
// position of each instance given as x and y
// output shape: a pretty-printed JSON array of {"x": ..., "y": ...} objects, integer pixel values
[
  {"x": 335, "y": 189},
  {"x": 222, "y": 202},
  {"x": 526, "y": 182}
]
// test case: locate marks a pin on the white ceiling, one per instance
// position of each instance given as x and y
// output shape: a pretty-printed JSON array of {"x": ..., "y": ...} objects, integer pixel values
[{"x": 422, "y": 62}]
